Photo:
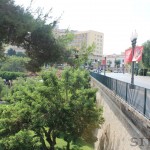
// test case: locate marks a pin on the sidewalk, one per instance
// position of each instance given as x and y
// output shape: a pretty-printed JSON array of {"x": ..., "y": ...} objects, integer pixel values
[{"x": 142, "y": 81}]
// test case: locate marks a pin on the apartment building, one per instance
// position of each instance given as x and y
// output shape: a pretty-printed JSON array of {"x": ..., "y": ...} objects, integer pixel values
[{"x": 86, "y": 38}]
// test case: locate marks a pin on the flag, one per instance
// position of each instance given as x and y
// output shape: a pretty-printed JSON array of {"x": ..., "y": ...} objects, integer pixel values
[
  {"x": 103, "y": 61},
  {"x": 137, "y": 53},
  {"x": 128, "y": 55}
]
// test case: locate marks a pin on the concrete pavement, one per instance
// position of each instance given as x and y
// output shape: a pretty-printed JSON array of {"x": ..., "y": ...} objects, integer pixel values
[{"x": 142, "y": 81}]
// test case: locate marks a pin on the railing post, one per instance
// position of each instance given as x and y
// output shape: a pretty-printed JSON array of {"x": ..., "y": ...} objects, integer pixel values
[
  {"x": 145, "y": 95},
  {"x": 116, "y": 86},
  {"x": 111, "y": 84},
  {"x": 126, "y": 92}
]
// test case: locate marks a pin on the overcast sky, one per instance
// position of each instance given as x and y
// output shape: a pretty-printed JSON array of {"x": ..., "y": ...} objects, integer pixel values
[{"x": 117, "y": 19}]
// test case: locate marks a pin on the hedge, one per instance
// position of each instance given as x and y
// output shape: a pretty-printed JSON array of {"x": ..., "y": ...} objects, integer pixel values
[{"x": 11, "y": 75}]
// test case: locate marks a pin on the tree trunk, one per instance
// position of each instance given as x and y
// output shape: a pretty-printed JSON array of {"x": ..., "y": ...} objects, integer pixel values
[
  {"x": 68, "y": 145},
  {"x": 52, "y": 147},
  {"x": 51, "y": 141},
  {"x": 41, "y": 140}
]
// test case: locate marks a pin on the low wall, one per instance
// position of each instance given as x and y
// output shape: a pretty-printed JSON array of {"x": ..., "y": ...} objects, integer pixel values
[{"x": 124, "y": 127}]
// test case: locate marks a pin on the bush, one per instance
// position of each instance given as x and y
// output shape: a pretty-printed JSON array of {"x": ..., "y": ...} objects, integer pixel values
[
  {"x": 148, "y": 73},
  {"x": 11, "y": 75},
  {"x": 143, "y": 72}
]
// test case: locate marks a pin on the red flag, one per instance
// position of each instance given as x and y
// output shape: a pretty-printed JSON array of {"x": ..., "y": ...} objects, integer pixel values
[
  {"x": 103, "y": 62},
  {"x": 138, "y": 53},
  {"x": 128, "y": 55}
]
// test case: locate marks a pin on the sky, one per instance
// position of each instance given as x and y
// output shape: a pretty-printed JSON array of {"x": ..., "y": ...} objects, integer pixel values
[{"x": 117, "y": 19}]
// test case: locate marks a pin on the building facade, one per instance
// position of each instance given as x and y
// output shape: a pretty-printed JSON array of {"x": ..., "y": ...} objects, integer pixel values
[
  {"x": 110, "y": 60},
  {"x": 86, "y": 38}
]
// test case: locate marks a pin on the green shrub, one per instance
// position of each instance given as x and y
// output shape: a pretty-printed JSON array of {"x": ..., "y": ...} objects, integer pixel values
[
  {"x": 142, "y": 72},
  {"x": 148, "y": 73},
  {"x": 11, "y": 75}
]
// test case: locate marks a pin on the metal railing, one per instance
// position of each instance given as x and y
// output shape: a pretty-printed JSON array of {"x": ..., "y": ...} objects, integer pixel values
[{"x": 138, "y": 98}]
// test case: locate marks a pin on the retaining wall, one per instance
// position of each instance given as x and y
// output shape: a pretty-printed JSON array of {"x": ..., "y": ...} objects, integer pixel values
[{"x": 124, "y": 127}]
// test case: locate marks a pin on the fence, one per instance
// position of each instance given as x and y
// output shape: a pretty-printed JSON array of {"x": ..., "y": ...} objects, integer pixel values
[{"x": 138, "y": 97}]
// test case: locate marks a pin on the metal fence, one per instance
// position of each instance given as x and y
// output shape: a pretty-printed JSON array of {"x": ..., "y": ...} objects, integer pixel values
[{"x": 138, "y": 97}]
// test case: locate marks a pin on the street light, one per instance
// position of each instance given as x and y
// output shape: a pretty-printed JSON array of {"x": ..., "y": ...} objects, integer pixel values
[
  {"x": 133, "y": 40},
  {"x": 136, "y": 67},
  {"x": 105, "y": 67}
]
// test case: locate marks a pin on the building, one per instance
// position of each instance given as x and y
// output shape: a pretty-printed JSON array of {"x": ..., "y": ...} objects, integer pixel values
[
  {"x": 86, "y": 38},
  {"x": 60, "y": 32},
  {"x": 110, "y": 60}
]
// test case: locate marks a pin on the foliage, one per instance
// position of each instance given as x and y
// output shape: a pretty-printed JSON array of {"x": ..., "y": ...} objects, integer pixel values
[
  {"x": 14, "y": 23},
  {"x": 11, "y": 75},
  {"x": 148, "y": 73},
  {"x": 80, "y": 57},
  {"x": 142, "y": 72},
  {"x": 78, "y": 145},
  {"x": 3, "y": 88},
  {"x": 117, "y": 63},
  {"x": 19, "y": 27},
  {"x": 109, "y": 63},
  {"x": 20, "y": 54},
  {"x": 2, "y": 55},
  {"x": 11, "y": 52},
  {"x": 50, "y": 108},
  {"x": 43, "y": 48},
  {"x": 14, "y": 64},
  {"x": 146, "y": 55},
  {"x": 22, "y": 140}
]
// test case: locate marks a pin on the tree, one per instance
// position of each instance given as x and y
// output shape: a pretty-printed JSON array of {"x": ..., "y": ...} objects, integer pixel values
[
  {"x": 146, "y": 54},
  {"x": 14, "y": 64},
  {"x": 109, "y": 63},
  {"x": 80, "y": 57},
  {"x": 2, "y": 55},
  {"x": 22, "y": 140},
  {"x": 42, "y": 47},
  {"x": 82, "y": 115},
  {"x": 117, "y": 63},
  {"x": 11, "y": 52},
  {"x": 54, "y": 108},
  {"x": 19, "y": 27},
  {"x": 21, "y": 54},
  {"x": 3, "y": 88},
  {"x": 15, "y": 23}
]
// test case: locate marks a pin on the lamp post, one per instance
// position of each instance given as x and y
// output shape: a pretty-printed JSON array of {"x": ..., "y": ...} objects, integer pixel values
[
  {"x": 136, "y": 68},
  {"x": 105, "y": 67},
  {"x": 133, "y": 40}
]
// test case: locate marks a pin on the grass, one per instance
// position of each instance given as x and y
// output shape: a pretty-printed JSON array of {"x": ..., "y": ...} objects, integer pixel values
[{"x": 79, "y": 146}]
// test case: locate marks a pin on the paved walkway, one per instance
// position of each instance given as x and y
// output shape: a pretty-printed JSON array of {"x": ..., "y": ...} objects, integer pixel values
[{"x": 143, "y": 81}]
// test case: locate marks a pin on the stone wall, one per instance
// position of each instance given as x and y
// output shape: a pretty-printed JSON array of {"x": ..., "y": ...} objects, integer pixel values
[{"x": 124, "y": 127}]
